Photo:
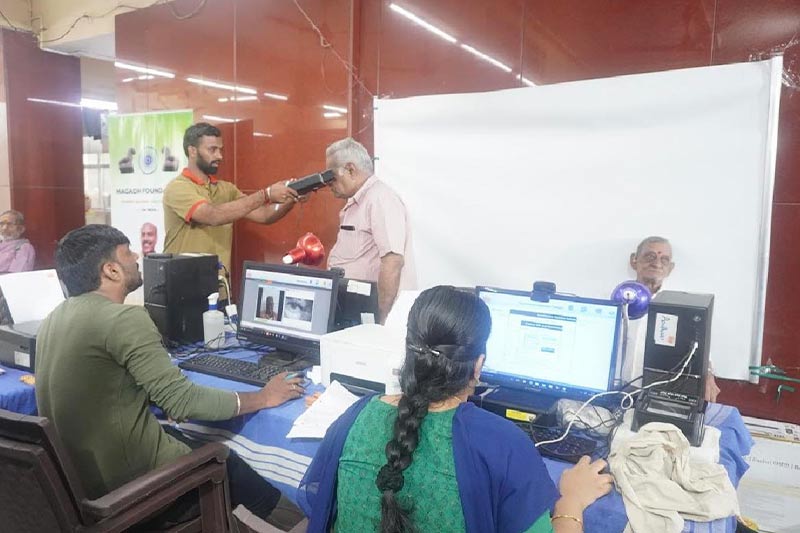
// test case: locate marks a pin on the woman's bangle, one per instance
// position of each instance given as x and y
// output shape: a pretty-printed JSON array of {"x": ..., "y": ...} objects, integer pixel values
[
  {"x": 569, "y": 517},
  {"x": 238, "y": 404},
  {"x": 267, "y": 197}
]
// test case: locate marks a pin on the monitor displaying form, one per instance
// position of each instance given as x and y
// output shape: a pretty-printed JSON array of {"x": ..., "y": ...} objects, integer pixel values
[
  {"x": 564, "y": 347},
  {"x": 286, "y": 307}
]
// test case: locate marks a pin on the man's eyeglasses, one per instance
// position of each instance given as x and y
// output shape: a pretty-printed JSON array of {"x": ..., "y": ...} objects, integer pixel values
[
  {"x": 4, "y": 223},
  {"x": 652, "y": 257}
]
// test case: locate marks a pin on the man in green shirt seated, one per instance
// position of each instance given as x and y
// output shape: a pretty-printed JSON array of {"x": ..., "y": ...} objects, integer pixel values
[{"x": 100, "y": 364}]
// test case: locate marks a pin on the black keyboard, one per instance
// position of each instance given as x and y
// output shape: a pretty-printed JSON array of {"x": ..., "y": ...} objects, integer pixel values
[
  {"x": 569, "y": 449},
  {"x": 235, "y": 369}
]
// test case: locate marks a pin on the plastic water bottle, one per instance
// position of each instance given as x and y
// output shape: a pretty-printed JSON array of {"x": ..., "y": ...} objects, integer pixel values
[{"x": 213, "y": 324}]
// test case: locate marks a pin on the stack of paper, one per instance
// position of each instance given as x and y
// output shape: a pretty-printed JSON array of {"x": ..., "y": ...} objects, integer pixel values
[
  {"x": 318, "y": 418},
  {"x": 772, "y": 429}
]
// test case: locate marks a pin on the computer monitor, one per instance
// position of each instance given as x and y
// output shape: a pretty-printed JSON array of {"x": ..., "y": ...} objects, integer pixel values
[
  {"x": 356, "y": 303},
  {"x": 287, "y": 307},
  {"x": 564, "y": 347}
]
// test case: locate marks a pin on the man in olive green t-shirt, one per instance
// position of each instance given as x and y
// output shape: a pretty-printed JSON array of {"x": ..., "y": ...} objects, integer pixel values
[
  {"x": 100, "y": 363},
  {"x": 199, "y": 209}
]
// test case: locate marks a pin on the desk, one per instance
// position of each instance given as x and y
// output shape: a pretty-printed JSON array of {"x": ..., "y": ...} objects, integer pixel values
[
  {"x": 15, "y": 395},
  {"x": 260, "y": 439}
]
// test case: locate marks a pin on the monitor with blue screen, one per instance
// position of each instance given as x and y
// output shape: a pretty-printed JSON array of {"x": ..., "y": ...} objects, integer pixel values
[{"x": 565, "y": 347}]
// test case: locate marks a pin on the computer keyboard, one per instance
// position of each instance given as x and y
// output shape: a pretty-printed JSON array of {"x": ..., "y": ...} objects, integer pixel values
[
  {"x": 235, "y": 369},
  {"x": 569, "y": 449}
]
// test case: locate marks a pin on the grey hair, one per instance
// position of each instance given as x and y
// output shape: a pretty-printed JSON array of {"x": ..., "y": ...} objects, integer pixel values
[
  {"x": 349, "y": 150},
  {"x": 654, "y": 239},
  {"x": 19, "y": 216}
]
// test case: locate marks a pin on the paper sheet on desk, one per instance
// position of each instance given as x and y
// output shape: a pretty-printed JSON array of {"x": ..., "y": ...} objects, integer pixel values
[{"x": 318, "y": 418}]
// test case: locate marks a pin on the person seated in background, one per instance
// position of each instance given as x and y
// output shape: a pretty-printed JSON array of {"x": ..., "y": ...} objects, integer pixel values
[
  {"x": 16, "y": 254},
  {"x": 428, "y": 460},
  {"x": 653, "y": 263},
  {"x": 100, "y": 364}
]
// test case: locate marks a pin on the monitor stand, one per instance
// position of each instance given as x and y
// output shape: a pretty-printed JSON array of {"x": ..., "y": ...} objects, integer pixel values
[
  {"x": 289, "y": 360},
  {"x": 520, "y": 400}
]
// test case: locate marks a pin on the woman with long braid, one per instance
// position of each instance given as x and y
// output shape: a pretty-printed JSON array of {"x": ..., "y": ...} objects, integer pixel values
[{"x": 429, "y": 461}]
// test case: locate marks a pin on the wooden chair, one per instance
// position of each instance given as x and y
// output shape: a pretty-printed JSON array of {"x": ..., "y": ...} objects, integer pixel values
[{"x": 40, "y": 490}]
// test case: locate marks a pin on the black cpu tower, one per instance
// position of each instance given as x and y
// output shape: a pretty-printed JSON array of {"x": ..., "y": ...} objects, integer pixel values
[
  {"x": 676, "y": 320},
  {"x": 176, "y": 289}
]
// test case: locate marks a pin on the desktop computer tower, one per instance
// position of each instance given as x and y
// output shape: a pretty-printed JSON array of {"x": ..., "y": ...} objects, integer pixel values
[
  {"x": 176, "y": 289},
  {"x": 676, "y": 320}
]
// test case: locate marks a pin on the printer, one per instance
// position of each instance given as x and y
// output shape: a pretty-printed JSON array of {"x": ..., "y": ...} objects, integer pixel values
[
  {"x": 365, "y": 358},
  {"x": 18, "y": 345}
]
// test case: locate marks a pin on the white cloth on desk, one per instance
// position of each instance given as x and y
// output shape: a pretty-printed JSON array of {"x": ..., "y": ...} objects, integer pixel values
[
  {"x": 707, "y": 452},
  {"x": 661, "y": 486}
]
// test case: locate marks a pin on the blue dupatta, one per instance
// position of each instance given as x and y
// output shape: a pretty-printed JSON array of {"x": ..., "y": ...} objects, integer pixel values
[{"x": 502, "y": 481}]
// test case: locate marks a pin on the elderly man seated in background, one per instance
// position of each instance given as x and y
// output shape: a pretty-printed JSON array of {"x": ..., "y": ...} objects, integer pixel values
[
  {"x": 16, "y": 253},
  {"x": 653, "y": 263}
]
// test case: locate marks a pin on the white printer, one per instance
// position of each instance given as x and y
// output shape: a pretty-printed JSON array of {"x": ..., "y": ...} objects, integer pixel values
[{"x": 365, "y": 358}]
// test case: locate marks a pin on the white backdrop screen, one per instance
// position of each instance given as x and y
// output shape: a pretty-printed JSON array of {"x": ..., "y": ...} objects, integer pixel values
[{"x": 560, "y": 182}]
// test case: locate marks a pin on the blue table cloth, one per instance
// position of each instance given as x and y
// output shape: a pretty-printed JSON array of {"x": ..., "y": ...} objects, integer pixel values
[
  {"x": 260, "y": 439},
  {"x": 14, "y": 394}
]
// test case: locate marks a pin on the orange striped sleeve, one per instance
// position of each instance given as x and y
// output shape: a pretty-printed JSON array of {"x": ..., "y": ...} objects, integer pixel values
[{"x": 192, "y": 209}]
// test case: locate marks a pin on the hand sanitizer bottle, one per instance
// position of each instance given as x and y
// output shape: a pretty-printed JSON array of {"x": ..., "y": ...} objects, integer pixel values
[{"x": 213, "y": 324}]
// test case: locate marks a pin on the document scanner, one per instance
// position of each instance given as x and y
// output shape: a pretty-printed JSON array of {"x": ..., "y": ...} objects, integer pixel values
[
  {"x": 18, "y": 345},
  {"x": 365, "y": 358}
]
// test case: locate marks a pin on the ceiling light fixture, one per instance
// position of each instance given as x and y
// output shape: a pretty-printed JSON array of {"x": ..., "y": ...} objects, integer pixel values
[
  {"x": 144, "y": 70},
  {"x": 275, "y": 96},
  {"x": 335, "y": 108},
  {"x": 89, "y": 103},
  {"x": 237, "y": 99},
  {"x": 54, "y": 102},
  {"x": 486, "y": 57},
  {"x": 142, "y": 77},
  {"x": 220, "y": 85},
  {"x": 215, "y": 118},
  {"x": 421, "y": 22},
  {"x": 93, "y": 103}
]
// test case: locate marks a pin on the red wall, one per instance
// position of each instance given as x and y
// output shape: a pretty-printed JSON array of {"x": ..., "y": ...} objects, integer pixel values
[
  {"x": 44, "y": 141},
  {"x": 271, "y": 46}
]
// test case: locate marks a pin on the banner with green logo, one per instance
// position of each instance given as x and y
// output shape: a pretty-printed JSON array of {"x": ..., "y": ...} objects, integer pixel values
[{"x": 146, "y": 153}]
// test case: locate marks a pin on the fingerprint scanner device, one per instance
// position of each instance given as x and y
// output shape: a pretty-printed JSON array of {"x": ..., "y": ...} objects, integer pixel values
[
  {"x": 176, "y": 289},
  {"x": 545, "y": 349},
  {"x": 288, "y": 308},
  {"x": 675, "y": 321},
  {"x": 313, "y": 182},
  {"x": 18, "y": 345},
  {"x": 364, "y": 358}
]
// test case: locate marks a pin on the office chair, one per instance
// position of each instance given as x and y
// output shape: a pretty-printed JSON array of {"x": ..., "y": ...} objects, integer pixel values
[{"x": 40, "y": 490}]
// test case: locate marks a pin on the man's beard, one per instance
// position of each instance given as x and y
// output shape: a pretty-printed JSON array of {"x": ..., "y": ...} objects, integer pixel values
[
  {"x": 207, "y": 168},
  {"x": 134, "y": 282}
]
